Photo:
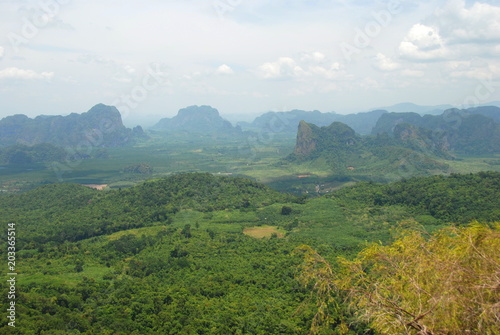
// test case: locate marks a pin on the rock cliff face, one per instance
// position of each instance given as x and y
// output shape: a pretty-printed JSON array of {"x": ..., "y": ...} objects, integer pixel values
[
  {"x": 198, "y": 120},
  {"x": 101, "y": 126},
  {"x": 306, "y": 143}
]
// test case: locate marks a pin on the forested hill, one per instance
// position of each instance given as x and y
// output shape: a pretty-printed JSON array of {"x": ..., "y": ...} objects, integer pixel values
[
  {"x": 70, "y": 212},
  {"x": 60, "y": 212},
  {"x": 456, "y": 198},
  {"x": 180, "y": 255}
]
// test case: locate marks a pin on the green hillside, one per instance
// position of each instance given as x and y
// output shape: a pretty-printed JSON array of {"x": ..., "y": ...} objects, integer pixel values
[
  {"x": 171, "y": 256},
  {"x": 70, "y": 212}
]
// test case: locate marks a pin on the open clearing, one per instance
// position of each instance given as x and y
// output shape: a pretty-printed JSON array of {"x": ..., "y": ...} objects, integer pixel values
[{"x": 263, "y": 231}]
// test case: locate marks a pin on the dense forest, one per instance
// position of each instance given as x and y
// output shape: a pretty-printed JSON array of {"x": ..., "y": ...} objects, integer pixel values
[
  {"x": 179, "y": 255},
  {"x": 455, "y": 198},
  {"x": 232, "y": 167},
  {"x": 69, "y": 212}
]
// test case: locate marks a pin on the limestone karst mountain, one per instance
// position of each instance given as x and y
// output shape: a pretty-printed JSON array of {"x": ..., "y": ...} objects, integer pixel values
[
  {"x": 101, "y": 126},
  {"x": 203, "y": 120}
]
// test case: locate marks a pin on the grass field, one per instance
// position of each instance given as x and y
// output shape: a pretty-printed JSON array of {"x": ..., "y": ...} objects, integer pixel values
[
  {"x": 467, "y": 164},
  {"x": 262, "y": 162},
  {"x": 264, "y": 232}
]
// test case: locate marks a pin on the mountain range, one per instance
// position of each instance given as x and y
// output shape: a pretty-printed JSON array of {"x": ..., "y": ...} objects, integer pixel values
[
  {"x": 408, "y": 151},
  {"x": 402, "y": 143},
  {"x": 469, "y": 131},
  {"x": 287, "y": 122},
  {"x": 101, "y": 126},
  {"x": 362, "y": 122},
  {"x": 408, "y": 107}
]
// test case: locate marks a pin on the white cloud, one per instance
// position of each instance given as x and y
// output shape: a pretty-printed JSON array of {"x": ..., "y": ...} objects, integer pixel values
[
  {"x": 385, "y": 63},
  {"x": 16, "y": 73},
  {"x": 369, "y": 83},
  {"x": 313, "y": 65},
  {"x": 455, "y": 31},
  {"x": 412, "y": 73},
  {"x": 330, "y": 87},
  {"x": 124, "y": 80},
  {"x": 284, "y": 67},
  {"x": 424, "y": 37},
  {"x": 122, "y": 73},
  {"x": 314, "y": 57},
  {"x": 129, "y": 69},
  {"x": 478, "y": 24},
  {"x": 1, "y": 52},
  {"x": 335, "y": 66},
  {"x": 422, "y": 43},
  {"x": 475, "y": 70},
  {"x": 224, "y": 69},
  {"x": 120, "y": 42}
]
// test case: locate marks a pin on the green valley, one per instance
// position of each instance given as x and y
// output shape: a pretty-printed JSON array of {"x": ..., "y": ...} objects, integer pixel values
[
  {"x": 173, "y": 255},
  {"x": 199, "y": 227},
  {"x": 233, "y": 167}
]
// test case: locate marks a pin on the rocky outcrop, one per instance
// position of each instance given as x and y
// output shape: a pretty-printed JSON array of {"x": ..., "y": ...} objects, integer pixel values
[
  {"x": 101, "y": 126},
  {"x": 306, "y": 143}
]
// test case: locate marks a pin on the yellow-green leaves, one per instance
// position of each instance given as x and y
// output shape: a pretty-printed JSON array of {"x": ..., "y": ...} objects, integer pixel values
[{"x": 448, "y": 283}]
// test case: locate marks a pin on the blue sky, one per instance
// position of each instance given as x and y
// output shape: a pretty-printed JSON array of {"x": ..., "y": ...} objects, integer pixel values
[{"x": 150, "y": 58}]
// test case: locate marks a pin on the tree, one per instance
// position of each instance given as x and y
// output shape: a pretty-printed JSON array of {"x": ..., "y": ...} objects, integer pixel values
[
  {"x": 211, "y": 233},
  {"x": 286, "y": 210},
  {"x": 186, "y": 231},
  {"x": 317, "y": 274},
  {"x": 447, "y": 283},
  {"x": 79, "y": 265}
]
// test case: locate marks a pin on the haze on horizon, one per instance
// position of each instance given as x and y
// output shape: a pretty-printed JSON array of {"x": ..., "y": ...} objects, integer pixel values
[{"x": 153, "y": 57}]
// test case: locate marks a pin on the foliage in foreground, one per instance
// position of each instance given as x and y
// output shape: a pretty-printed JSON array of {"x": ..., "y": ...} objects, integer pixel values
[
  {"x": 169, "y": 256},
  {"x": 447, "y": 283}
]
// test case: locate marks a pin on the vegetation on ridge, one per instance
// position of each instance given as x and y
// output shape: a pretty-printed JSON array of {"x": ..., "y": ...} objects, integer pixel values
[{"x": 171, "y": 255}]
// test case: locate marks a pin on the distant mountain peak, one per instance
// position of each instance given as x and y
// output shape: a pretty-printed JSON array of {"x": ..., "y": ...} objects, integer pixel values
[
  {"x": 70, "y": 130},
  {"x": 197, "y": 119},
  {"x": 203, "y": 110},
  {"x": 311, "y": 138},
  {"x": 100, "y": 108}
]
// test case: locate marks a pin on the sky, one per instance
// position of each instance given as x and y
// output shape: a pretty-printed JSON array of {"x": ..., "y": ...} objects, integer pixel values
[{"x": 151, "y": 58}]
